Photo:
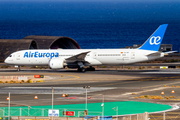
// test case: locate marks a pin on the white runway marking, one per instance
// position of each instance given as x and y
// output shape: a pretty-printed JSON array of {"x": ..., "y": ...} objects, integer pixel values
[
  {"x": 160, "y": 73},
  {"x": 48, "y": 90}
]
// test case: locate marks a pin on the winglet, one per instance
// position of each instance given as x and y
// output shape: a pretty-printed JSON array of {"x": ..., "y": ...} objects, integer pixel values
[{"x": 154, "y": 41}]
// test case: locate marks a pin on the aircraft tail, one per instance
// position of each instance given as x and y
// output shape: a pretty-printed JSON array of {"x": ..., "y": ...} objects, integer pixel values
[{"x": 154, "y": 41}]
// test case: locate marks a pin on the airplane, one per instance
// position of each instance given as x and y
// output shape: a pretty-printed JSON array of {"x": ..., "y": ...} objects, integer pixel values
[{"x": 79, "y": 58}]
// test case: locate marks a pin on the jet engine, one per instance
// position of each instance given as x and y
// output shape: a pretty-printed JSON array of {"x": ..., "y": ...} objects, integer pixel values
[{"x": 57, "y": 63}]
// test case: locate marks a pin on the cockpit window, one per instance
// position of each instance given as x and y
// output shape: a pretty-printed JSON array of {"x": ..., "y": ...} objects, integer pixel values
[{"x": 10, "y": 55}]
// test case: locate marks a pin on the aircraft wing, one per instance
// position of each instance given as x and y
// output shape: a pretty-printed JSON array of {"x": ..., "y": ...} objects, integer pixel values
[{"x": 78, "y": 57}]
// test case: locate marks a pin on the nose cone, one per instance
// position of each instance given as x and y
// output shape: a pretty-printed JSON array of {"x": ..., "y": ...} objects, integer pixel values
[{"x": 6, "y": 60}]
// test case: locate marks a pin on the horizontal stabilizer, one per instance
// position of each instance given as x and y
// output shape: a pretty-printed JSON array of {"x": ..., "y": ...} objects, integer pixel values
[
  {"x": 154, "y": 54},
  {"x": 169, "y": 52}
]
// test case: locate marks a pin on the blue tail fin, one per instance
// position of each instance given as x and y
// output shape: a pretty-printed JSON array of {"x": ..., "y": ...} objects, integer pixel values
[{"x": 154, "y": 41}]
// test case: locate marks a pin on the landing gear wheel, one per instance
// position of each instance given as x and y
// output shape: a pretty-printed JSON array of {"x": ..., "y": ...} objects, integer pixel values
[
  {"x": 81, "y": 69},
  {"x": 18, "y": 69},
  {"x": 90, "y": 68}
]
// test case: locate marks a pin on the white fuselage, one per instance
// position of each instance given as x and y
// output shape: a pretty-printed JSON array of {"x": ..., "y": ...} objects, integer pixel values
[
  {"x": 94, "y": 57},
  {"x": 77, "y": 58}
]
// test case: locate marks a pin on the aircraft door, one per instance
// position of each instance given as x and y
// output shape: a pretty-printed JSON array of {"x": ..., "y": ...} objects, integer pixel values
[
  {"x": 18, "y": 55},
  {"x": 94, "y": 55},
  {"x": 125, "y": 57},
  {"x": 132, "y": 55}
]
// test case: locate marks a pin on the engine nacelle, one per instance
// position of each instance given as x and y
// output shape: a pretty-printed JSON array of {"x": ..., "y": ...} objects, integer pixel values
[{"x": 56, "y": 63}]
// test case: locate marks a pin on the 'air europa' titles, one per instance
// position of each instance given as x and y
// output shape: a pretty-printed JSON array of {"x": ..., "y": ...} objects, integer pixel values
[{"x": 40, "y": 55}]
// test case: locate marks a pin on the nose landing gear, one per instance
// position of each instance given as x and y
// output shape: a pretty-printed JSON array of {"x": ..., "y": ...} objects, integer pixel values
[{"x": 18, "y": 67}]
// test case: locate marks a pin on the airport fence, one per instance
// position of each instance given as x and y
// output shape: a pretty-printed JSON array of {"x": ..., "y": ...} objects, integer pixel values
[
  {"x": 43, "y": 114},
  {"x": 143, "y": 116},
  {"x": 171, "y": 115}
]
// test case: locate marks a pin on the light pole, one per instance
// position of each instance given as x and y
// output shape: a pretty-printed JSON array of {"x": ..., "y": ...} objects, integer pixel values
[
  {"x": 117, "y": 112},
  {"x": 102, "y": 107},
  {"x": 29, "y": 107},
  {"x": 8, "y": 98},
  {"x": 86, "y": 87},
  {"x": 52, "y": 101}
]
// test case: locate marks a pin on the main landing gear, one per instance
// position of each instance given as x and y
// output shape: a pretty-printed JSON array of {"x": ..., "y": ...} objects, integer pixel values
[
  {"x": 81, "y": 69},
  {"x": 90, "y": 68},
  {"x": 86, "y": 69}
]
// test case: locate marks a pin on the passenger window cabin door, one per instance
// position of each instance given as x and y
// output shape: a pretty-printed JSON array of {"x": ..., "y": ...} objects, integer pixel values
[
  {"x": 94, "y": 55},
  {"x": 18, "y": 56},
  {"x": 132, "y": 55},
  {"x": 125, "y": 56}
]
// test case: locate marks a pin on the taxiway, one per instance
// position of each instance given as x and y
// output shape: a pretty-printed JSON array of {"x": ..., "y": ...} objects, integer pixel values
[{"x": 114, "y": 85}]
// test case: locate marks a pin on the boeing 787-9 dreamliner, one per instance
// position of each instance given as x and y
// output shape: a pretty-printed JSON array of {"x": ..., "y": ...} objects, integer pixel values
[{"x": 79, "y": 58}]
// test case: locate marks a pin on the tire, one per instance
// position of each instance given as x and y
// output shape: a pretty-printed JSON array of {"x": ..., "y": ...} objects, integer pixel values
[
  {"x": 81, "y": 70},
  {"x": 90, "y": 69}
]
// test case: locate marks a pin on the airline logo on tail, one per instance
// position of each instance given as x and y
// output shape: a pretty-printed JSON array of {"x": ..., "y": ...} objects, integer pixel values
[{"x": 155, "y": 40}]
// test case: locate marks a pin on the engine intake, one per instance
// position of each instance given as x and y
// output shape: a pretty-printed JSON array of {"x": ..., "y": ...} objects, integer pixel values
[{"x": 56, "y": 63}]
